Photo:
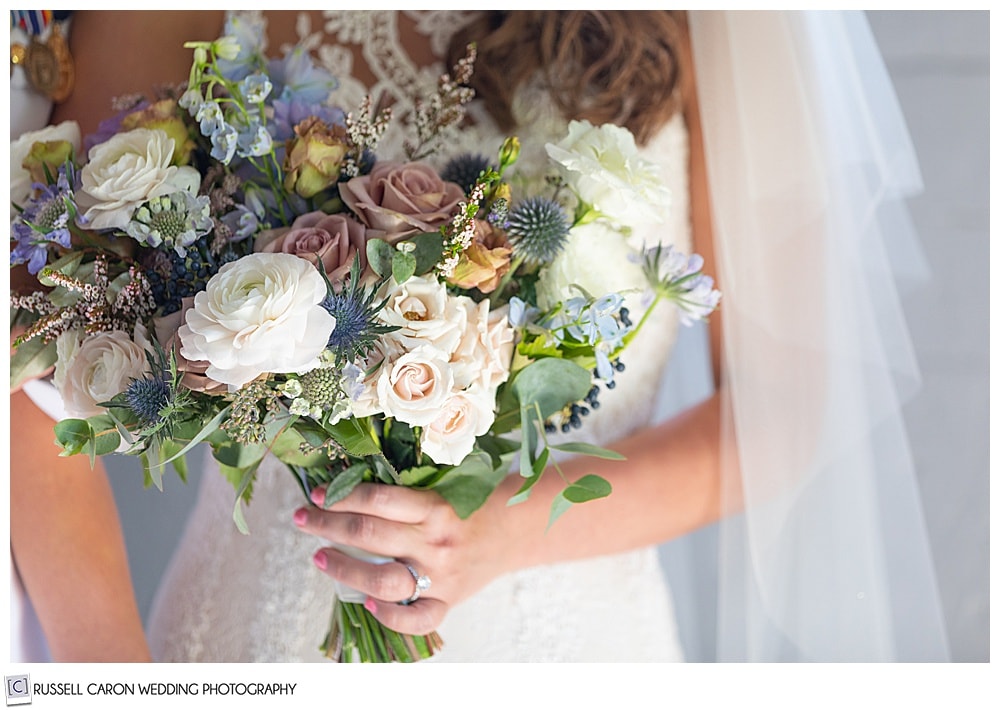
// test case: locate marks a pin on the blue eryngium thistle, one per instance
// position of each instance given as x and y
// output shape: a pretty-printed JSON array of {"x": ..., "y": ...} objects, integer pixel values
[
  {"x": 354, "y": 307},
  {"x": 147, "y": 398},
  {"x": 538, "y": 229},
  {"x": 465, "y": 170}
]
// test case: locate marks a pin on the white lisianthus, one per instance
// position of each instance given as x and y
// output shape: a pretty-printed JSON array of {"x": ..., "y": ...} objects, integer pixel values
[
  {"x": 20, "y": 179},
  {"x": 424, "y": 313},
  {"x": 416, "y": 386},
  {"x": 597, "y": 258},
  {"x": 94, "y": 368},
  {"x": 127, "y": 170},
  {"x": 603, "y": 167},
  {"x": 452, "y": 435},
  {"x": 259, "y": 314}
]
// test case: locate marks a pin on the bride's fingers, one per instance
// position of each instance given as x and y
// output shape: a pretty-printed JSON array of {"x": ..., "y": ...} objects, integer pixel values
[
  {"x": 421, "y": 617},
  {"x": 375, "y": 535},
  {"x": 391, "y": 581},
  {"x": 397, "y": 503}
]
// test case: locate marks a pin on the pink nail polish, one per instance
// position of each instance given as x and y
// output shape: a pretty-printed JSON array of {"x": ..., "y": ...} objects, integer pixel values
[
  {"x": 300, "y": 516},
  {"x": 370, "y": 605},
  {"x": 317, "y": 495},
  {"x": 319, "y": 559}
]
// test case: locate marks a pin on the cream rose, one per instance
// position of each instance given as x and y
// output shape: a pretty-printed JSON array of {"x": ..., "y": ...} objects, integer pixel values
[
  {"x": 603, "y": 166},
  {"x": 484, "y": 352},
  {"x": 94, "y": 368},
  {"x": 599, "y": 259},
  {"x": 378, "y": 361},
  {"x": 417, "y": 385},
  {"x": 398, "y": 199},
  {"x": 452, "y": 435},
  {"x": 333, "y": 239},
  {"x": 20, "y": 179},
  {"x": 424, "y": 313},
  {"x": 127, "y": 170},
  {"x": 259, "y": 314}
]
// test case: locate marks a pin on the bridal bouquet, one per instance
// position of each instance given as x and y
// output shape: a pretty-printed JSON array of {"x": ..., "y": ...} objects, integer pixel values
[{"x": 235, "y": 263}]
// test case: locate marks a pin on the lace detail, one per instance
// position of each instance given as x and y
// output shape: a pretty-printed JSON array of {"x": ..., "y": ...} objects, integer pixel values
[{"x": 230, "y": 597}]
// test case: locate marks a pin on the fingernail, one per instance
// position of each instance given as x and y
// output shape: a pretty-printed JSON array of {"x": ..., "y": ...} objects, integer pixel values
[
  {"x": 319, "y": 559},
  {"x": 317, "y": 495},
  {"x": 300, "y": 516},
  {"x": 370, "y": 605}
]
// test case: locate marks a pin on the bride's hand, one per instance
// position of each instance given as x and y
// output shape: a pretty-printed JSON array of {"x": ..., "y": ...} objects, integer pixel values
[{"x": 418, "y": 528}]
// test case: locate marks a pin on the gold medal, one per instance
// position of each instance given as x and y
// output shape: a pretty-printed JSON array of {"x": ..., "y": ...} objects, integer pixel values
[{"x": 48, "y": 65}]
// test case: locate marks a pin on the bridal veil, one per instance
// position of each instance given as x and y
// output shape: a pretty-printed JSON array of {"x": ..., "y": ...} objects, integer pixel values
[{"x": 809, "y": 164}]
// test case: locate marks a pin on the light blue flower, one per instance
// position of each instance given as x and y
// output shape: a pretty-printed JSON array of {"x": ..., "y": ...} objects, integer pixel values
[
  {"x": 256, "y": 87},
  {"x": 254, "y": 141},
  {"x": 297, "y": 77},
  {"x": 209, "y": 117},
  {"x": 520, "y": 314},
  {"x": 224, "y": 143}
]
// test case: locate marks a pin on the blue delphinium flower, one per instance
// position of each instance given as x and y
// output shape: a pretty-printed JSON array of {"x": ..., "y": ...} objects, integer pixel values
[
  {"x": 256, "y": 87},
  {"x": 293, "y": 110},
  {"x": 249, "y": 33},
  {"x": 224, "y": 143},
  {"x": 297, "y": 76},
  {"x": 45, "y": 221}
]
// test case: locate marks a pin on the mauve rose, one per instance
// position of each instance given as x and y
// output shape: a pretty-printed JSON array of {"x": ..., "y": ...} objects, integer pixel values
[
  {"x": 332, "y": 238},
  {"x": 194, "y": 377},
  {"x": 396, "y": 200}
]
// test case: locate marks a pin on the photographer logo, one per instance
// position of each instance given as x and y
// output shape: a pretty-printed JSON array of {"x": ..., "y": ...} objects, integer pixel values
[{"x": 18, "y": 689}]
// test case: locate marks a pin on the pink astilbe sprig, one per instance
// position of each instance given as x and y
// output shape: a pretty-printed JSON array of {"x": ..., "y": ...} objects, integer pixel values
[{"x": 92, "y": 312}]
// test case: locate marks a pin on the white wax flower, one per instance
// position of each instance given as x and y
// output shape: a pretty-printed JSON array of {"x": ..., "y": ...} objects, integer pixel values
[
  {"x": 452, "y": 435},
  {"x": 603, "y": 166},
  {"x": 259, "y": 314},
  {"x": 94, "y": 368},
  {"x": 127, "y": 170},
  {"x": 20, "y": 179}
]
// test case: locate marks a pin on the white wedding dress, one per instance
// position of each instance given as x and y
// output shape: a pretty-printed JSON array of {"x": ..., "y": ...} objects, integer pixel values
[{"x": 230, "y": 597}]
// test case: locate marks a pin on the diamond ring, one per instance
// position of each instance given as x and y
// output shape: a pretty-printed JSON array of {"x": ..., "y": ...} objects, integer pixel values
[{"x": 421, "y": 584}]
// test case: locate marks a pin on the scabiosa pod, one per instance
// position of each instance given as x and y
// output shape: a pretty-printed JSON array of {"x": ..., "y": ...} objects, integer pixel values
[{"x": 677, "y": 277}]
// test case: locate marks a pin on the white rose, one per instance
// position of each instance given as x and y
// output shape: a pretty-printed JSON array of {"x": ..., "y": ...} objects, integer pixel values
[
  {"x": 484, "y": 352},
  {"x": 259, "y": 314},
  {"x": 416, "y": 387},
  {"x": 94, "y": 368},
  {"x": 378, "y": 361},
  {"x": 602, "y": 165},
  {"x": 127, "y": 170},
  {"x": 452, "y": 435},
  {"x": 425, "y": 314},
  {"x": 597, "y": 258},
  {"x": 20, "y": 179}
]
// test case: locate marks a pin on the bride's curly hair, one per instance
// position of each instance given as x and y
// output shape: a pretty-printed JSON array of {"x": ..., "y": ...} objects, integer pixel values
[{"x": 624, "y": 67}]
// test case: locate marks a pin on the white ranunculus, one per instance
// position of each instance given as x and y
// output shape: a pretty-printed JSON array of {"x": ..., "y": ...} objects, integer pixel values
[
  {"x": 603, "y": 166},
  {"x": 416, "y": 387},
  {"x": 596, "y": 257},
  {"x": 127, "y": 170},
  {"x": 94, "y": 368},
  {"x": 259, "y": 314},
  {"x": 20, "y": 179},
  {"x": 452, "y": 435},
  {"x": 425, "y": 314}
]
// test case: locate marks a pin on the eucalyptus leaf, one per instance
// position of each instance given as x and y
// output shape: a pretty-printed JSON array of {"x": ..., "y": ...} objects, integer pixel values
[
  {"x": 380, "y": 255},
  {"x": 585, "y": 449},
  {"x": 537, "y": 469},
  {"x": 73, "y": 435},
  {"x": 31, "y": 359},
  {"x": 467, "y": 486},
  {"x": 419, "y": 476},
  {"x": 357, "y": 439},
  {"x": 344, "y": 482},
  {"x": 429, "y": 247},
  {"x": 589, "y": 487},
  {"x": 404, "y": 265},
  {"x": 551, "y": 384}
]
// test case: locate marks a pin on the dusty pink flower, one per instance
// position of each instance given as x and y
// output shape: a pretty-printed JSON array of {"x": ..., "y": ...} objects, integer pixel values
[
  {"x": 333, "y": 239},
  {"x": 398, "y": 199}
]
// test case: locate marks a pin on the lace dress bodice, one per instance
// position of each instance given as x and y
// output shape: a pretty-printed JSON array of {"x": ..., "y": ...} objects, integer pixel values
[{"x": 258, "y": 597}]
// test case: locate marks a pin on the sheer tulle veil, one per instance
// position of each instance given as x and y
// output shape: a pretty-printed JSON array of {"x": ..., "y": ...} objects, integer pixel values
[{"x": 809, "y": 163}]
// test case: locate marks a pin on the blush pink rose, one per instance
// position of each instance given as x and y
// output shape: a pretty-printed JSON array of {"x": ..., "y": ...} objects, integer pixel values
[
  {"x": 333, "y": 239},
  {"x": 396, "y": 200}
]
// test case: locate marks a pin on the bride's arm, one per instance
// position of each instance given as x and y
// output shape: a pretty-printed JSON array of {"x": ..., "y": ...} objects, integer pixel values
[{"x": 668, "y": 485}]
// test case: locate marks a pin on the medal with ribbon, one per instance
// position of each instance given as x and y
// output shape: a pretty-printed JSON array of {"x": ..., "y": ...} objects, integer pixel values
[{"x": 47, "y": 63}]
